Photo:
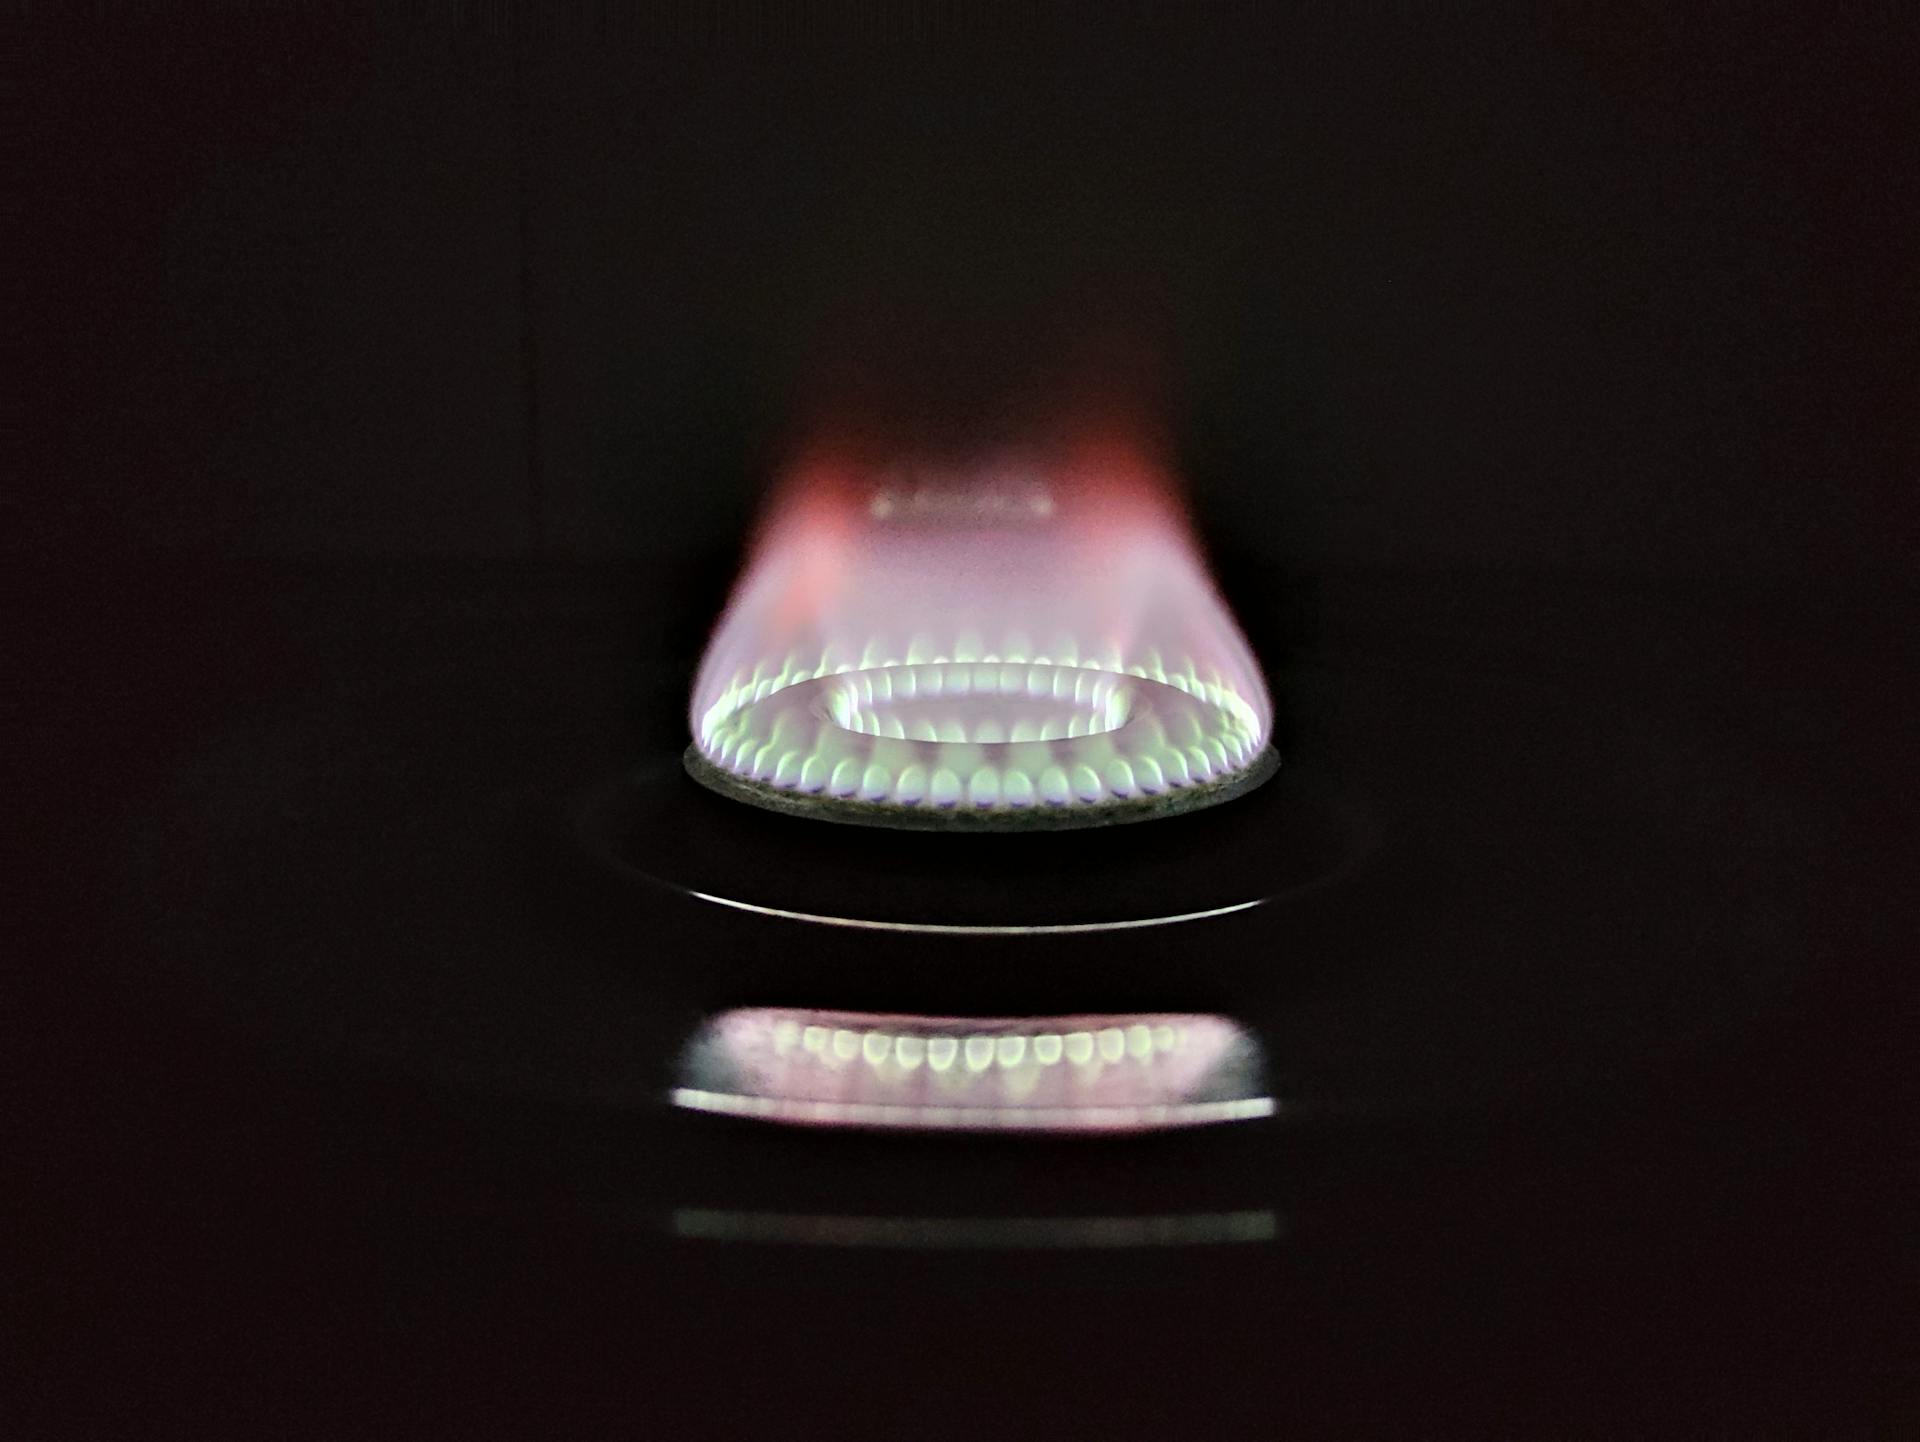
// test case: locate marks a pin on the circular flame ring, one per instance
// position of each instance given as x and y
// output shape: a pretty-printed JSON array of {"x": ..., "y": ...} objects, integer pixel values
[{"x": 1057, "y": 745}]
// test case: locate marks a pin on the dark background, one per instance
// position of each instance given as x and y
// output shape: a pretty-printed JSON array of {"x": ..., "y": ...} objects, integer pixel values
[
  {"x": 397, "y": 391},
  {"x": 1627, "y": 290}
]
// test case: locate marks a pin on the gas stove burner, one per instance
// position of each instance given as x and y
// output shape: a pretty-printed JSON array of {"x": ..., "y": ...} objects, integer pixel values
[
  {"x": 1002, "y": 647},
  {"x": 1128, "y": 1073}
]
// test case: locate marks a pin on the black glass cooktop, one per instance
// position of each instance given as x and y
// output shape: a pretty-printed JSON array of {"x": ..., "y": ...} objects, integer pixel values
[{"x": 1570, "y": 964}]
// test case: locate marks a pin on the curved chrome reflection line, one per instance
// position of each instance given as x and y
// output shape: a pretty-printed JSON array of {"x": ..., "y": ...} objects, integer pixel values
[
  {"x": 976, "y": 1233},
  {"x": 1062, "y": 929}
]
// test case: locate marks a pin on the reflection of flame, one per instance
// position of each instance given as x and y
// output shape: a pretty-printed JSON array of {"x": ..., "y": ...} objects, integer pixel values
[
  {"x": 1073, "y": 1073},
  {"x": 1012, "y": 636}
]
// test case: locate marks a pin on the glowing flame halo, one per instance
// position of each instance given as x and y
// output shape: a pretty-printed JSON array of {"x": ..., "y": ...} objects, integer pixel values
[{"x": 1012, "y": 639}]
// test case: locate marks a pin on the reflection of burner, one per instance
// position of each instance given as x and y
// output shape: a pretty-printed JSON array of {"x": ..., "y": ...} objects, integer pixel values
[
  {"x": 1051, "y": 655},
  {"x": 1047, "y": 1074}
]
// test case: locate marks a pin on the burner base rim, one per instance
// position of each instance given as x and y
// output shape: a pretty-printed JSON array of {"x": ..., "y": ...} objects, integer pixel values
[{"x": 851, "y": 811}]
